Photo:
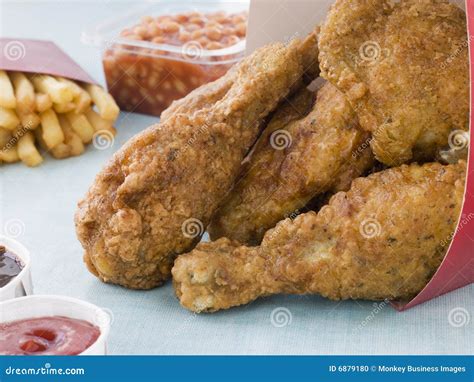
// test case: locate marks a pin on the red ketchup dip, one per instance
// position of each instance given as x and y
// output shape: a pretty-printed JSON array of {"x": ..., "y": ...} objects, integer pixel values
[
  {"x": 54, "y": 335},
  {"x": 10, "y": 266}
]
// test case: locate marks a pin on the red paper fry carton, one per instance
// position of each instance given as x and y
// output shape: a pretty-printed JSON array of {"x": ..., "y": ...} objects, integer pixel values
[{"x": 37, "y": 56}]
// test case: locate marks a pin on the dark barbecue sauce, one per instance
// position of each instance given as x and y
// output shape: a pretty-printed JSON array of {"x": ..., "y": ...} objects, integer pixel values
[{"x": 10, "y": 266}]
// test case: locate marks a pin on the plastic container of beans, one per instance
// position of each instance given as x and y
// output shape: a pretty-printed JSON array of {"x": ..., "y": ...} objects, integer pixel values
[{"x": 158, "y": 53}]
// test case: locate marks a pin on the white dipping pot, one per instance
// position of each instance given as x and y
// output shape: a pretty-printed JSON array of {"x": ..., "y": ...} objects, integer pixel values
[
  {"x": 21, "y": 285},
  {"x": 52, "y": 305}
]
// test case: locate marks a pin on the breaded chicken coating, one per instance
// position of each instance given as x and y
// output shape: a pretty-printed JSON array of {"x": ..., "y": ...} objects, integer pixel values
[
  {"x": 404, "y": 68},
  {"x": 383, "y": 239},
  {"x": 155, "y": 197},
  {"x": 308, "y": 149}
]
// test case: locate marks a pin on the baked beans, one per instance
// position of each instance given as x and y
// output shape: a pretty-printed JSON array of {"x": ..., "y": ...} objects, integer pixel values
[{"x": 148, "y": 80}]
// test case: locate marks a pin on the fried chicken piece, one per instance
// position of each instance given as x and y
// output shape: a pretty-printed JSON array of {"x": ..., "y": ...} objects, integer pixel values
[
  {"x": 404, "y": 68},
  {"x": 297, "y": 158},
  {"x": 157, "y": 194},
  {"x": 383, "y": 239},
  {"x": 206, "y": 96},
  {"x": 310, "y": 55}
]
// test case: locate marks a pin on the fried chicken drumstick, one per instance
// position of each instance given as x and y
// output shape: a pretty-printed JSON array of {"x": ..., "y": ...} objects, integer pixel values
[
  {"x": 404, "y": 68},
  {"x": 384, "y": 238},
  {"x": 157, "y": 194},
  {"x": 308, "y": 149}
]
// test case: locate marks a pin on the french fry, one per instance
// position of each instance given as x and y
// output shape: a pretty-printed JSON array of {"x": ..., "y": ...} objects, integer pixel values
[
  {"x": 51, "y": 131},
  {"x": 39, "y": 138},
  {"x": 7, "y": 96},
  {"x": 9, "y": 155},
  {"x": 53, "y": 113},
  {"x": 58, "y": 91},
  {"x": 64, "y": 107},
  {"x": 71, "y": 138},
  {"x": 5, "y": 137},
  {"x": 43, "y": 102},
  {"x": 108, "y": 109},
  {"x": 30, "y": 121},
  {"x": 24, "y": 93},
  {"x": 8, "y": 118},
  {"x": 61, "y": 151},
  {"x": 19, "y": 132},
  {"x": 27, "y": 150},
  {"x": 81, "y": 99},
  {"x": 98, "y": 123},
  {"x": 76, "y": 145},
  {"x": 25, "y": 100},
  {"x": 81, "y": 126},
  {"x": 70, "y": 84}
]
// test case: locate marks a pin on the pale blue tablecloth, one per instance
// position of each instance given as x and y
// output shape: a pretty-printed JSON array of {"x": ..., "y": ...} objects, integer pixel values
[{"x": 43, "y": 200}]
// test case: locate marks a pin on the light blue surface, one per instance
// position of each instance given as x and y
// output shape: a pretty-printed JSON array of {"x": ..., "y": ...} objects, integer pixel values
[{"x": 42, "y": 201}]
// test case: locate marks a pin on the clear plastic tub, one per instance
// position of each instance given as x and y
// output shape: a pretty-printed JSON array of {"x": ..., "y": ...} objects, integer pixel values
[{"x": 167, "y": 61}]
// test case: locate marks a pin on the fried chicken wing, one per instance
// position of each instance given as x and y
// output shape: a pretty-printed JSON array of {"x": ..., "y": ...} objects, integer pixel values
[
  {"x": 383, "y": 239},
  {"x": 308, "y": 149},
  {"x": 404, "y": 68},
  {"x": 157, "y": 194}
]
